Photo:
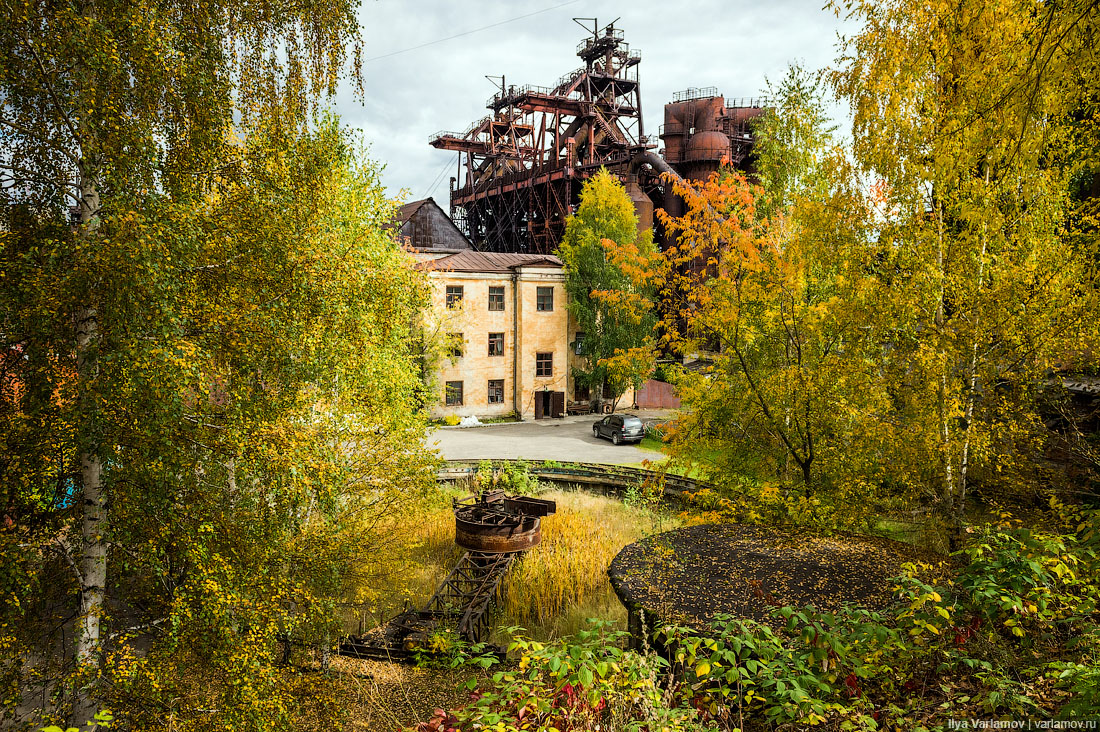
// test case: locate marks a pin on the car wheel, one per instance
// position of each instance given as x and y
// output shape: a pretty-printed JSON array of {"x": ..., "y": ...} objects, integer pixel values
[
  {"x": 596, "y": 432},
  {"x": 615, "y": 438}
]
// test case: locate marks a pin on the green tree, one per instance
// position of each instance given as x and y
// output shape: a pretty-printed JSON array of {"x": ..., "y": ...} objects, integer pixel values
[
  {"x": 205, "y": 338},
  {"x": 795, "y": 139},
  {"x": 614, "y": 314}
]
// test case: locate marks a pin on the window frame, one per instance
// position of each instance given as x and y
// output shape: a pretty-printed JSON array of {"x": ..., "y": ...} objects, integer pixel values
[
  {"x": 490, "y": 392},
  {"x": 449, "y": 390},
  {"x": 455, "y": 295},
  {"x": 499, "y": 340},
  {"x": 547, "y": 358},
  {"x": 540, "y": 292},
  {"x": 493, "y": 294}
]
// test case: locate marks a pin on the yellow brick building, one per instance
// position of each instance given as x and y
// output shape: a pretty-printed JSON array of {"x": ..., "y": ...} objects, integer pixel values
[{"x": 504, "y": 317}]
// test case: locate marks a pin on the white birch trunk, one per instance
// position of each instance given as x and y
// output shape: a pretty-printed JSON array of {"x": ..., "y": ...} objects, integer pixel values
[
  {"x": 93, "y": 557},
  {"x": 972, "y": 373},
  {"x": 941, "y": 397}
]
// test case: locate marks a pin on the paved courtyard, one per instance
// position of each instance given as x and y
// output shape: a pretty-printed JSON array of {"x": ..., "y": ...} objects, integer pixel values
[{"x": 565, "y": 440}]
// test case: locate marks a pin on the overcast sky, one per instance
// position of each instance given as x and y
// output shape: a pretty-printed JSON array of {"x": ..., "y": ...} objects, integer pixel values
[{"x": 732, "y": 45}]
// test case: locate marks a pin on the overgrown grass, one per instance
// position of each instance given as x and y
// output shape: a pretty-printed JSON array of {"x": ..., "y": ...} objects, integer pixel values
[{"x": 555, "y": 587}]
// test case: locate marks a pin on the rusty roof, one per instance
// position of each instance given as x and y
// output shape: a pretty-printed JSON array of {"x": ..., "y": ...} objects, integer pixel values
[
  {"x": 472, "y": 261},
  {"x": 409, "y": 210}
]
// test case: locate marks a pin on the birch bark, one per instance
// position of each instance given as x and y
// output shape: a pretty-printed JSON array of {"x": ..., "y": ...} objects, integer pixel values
[{"x": 93, "y": 557}]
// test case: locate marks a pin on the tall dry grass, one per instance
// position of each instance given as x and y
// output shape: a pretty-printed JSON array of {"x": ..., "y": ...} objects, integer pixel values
[
  {"x": 553, "y": 589},
  {"x": 561, "y": 582}
]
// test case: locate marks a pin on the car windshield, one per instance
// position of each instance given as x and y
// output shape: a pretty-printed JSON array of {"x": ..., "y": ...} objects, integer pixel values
[{"x": 631, "y": 422}]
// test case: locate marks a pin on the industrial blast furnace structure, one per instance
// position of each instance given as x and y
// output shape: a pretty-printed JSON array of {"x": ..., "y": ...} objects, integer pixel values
[{"x": 521, "y": 168}]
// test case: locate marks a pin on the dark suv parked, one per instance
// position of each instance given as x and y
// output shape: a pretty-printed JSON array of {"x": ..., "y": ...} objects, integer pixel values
[{"x": 620, "y": 428}]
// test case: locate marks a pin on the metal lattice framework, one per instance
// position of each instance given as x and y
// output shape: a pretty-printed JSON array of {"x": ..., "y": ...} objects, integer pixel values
[
  {"x": 468, "y": 591},
  {"x": 525, "y": 163}
]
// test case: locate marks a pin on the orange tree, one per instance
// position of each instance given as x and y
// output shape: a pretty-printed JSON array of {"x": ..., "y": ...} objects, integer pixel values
[{"x": 771, "y": 282}]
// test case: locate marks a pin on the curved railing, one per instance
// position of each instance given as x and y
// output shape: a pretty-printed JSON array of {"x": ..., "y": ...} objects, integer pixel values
[{"x": 615, "y": 478}]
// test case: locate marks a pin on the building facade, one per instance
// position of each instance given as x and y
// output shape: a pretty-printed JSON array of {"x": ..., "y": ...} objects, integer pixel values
[{"x": 507, "y": 334}]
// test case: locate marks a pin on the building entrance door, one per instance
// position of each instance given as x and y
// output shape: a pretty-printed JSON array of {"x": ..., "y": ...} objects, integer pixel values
[
  {"x": 549, "y": 404},
  {"x": 557, "y": 404}
]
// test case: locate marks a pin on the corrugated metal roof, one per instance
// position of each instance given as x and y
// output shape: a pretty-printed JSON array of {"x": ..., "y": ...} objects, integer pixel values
[{"x": 471, "y": 261}]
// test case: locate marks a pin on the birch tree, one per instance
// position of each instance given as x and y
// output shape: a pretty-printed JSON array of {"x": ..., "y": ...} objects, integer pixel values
[
  {"x": 958, "y": 110},
  {"x": 180, "y": 292}
]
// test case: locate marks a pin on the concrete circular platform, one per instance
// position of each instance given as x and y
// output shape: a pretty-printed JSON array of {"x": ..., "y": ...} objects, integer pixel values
[{"x": 689, "y": 575}]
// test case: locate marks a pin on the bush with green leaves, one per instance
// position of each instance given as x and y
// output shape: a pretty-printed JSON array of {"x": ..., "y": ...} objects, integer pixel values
[
  {"x": 1013, "y": 632},
  {"x": 584, "y": 683},
  {"x": 512, "y": 477},
  {"x": 1027, "y": 580}
]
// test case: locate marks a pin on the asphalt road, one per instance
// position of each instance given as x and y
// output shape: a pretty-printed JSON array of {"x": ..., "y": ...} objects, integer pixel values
[{"x": 566, "y": 440}]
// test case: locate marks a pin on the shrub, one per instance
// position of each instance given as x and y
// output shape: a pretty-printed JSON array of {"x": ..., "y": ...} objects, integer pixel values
[
  {"x": 515, "y": 478},
  {"x": 1024, "y": 581},
  {"x": 945, "y": 649},
  {"x": 586, "y": 683},
  {"x": 452, "y": 420}
]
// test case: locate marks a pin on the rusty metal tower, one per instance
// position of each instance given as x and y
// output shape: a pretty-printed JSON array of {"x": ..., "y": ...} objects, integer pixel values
[{"x": 524, "y": 164}]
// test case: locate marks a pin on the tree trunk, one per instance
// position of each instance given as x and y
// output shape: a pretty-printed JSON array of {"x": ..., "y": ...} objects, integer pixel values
[
  {"x": 93, "y": 558},
  {"x": 972, "y": 377},
  {"x": 949, "y": 502}
]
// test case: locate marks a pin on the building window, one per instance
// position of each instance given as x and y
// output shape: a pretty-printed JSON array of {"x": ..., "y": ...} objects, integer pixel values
[
  {"x": 544, "y": 364},
  {"x": 454, "y": 394},
  {"x": 544, "y": 299},
  {"x": 454, "y": 296},
  {"x": 496, "y": 298},
  {"x": 455, "y": 344},
  {"x": 496, "y": 391},
  {"x": 496, "y": 344},
  {"x": 578, "y": 345}
]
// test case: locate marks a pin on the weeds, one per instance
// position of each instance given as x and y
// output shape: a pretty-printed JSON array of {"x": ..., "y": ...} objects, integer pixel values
[
  {"x": 557, "y": 585},
  {"x": 564, "y": 580},
  {"x": 514, "y": 478}
]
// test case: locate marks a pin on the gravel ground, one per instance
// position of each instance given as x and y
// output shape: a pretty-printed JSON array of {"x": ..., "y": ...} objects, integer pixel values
[{"x": 690, "y": 574}]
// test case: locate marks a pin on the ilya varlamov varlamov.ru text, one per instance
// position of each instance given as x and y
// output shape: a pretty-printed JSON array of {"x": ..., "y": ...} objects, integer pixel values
[{"x": 1023, "y": 724}]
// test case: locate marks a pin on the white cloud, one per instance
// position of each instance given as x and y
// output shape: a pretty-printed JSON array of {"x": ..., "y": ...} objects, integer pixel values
[{"x": 733, "y": 46}]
